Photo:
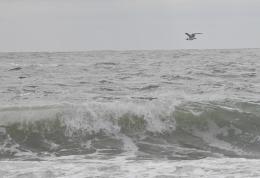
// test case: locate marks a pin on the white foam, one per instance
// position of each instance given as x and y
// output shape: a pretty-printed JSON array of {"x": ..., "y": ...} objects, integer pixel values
[{"x": 121, "y": 166}]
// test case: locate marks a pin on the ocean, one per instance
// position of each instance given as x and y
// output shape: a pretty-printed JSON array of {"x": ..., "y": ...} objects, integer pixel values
[{"x": 154, "y": 113}]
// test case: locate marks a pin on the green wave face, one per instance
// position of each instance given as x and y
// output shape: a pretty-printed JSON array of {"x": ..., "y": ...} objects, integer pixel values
[
  {"x": 237, "y": 127},
  {"x": 190, "y": 130}
]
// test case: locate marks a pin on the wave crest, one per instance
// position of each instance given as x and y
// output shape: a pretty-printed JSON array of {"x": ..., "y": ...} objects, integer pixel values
[{"x": 154, "y": 129}]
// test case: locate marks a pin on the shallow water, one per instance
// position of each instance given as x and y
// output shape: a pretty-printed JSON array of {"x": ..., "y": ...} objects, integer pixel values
[
  {"x": 183, "y": 113},
  {"x": 121, "y": 167}
]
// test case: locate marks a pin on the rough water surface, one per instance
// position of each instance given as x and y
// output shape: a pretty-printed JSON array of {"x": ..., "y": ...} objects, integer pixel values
[{"x": 181, "y": 113}]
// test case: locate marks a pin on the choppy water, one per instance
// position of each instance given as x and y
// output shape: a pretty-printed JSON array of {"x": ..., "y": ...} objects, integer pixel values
[{"x": 183, "y": 113}]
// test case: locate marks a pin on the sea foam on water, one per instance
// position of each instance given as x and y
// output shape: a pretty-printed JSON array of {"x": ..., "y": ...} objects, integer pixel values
[{"x": 182, "y": 113}]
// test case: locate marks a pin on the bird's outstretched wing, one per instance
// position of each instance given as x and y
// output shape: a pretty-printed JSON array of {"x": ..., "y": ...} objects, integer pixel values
[
  {"x": 197, "y": 33},
  {"x": 189, "y": 35}
]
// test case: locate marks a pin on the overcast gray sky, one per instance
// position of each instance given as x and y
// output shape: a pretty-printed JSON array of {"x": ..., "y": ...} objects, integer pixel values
[{"x": 69, "y": 25}]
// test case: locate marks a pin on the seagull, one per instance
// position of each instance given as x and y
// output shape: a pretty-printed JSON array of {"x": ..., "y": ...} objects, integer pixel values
[{"x": 191, "y": 36}]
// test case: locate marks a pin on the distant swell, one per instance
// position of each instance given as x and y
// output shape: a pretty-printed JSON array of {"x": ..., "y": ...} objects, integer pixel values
[{"x": 184, "y": 131}]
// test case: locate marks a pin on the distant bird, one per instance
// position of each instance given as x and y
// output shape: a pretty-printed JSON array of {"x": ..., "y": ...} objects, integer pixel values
[{"x": 191, "y": 36}]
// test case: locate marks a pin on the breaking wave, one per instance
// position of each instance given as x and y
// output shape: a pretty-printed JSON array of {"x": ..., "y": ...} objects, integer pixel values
[{"x": 155, "y": 129}]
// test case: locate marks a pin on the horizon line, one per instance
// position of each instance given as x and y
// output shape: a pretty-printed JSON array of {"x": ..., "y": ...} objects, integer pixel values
[{"x": 118, "y": 50}]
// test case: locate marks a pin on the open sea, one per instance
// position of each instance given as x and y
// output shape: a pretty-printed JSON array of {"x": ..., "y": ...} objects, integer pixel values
[{"x": 130, "y": 114}]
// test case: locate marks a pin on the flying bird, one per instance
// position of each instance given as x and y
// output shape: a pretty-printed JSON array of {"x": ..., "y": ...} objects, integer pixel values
[{"x": 191, "y": 36}]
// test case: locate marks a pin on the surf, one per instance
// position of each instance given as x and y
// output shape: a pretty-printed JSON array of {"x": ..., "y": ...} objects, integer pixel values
[{"x": 188, "y": 130}]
